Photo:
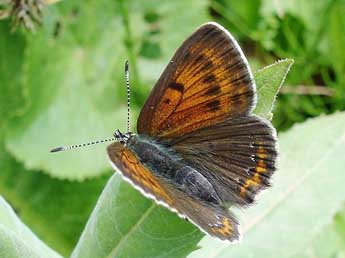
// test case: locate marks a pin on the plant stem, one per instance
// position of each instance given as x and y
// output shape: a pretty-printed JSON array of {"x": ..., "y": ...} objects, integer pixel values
[
  {"x": 47, "y": 2},
  {"x": 308, "y": 90}
]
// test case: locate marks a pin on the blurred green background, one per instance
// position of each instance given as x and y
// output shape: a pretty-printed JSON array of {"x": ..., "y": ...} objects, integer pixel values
[{"x": 63, "y": 84}]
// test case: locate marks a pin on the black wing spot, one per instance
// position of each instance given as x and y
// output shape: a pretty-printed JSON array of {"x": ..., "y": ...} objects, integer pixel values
[
  {"x": 186, "y": 57},
  {"x": 214, "y": 90},
  {"x": 201, "y": 57},
  {"x": 176, "y": 86},
  {"x": 209, "y": 79},
  {"x": 206, "y": 66},
  {"x": 167, "y": 101},
  {"x": 238, "y": 100},
  {"x": 213, "y": 105}
]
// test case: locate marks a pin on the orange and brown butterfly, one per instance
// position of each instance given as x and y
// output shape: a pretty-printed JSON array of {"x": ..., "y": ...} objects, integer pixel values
[{"x": 199, "y": 149}]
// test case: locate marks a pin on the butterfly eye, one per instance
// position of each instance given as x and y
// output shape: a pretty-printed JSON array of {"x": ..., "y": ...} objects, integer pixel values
[
  {"x": 123, "y": 137},
  {"x": 120, "y": 137}
]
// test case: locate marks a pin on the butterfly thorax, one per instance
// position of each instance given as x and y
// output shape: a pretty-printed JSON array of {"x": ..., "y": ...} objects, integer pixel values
[{"x": 166, "y": 164}]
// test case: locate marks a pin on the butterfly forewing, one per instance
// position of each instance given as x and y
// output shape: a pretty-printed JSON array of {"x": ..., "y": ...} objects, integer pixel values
[{"x": 207, "y": 81}]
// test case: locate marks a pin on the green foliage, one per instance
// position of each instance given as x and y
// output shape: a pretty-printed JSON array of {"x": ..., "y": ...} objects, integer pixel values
[
  {"x": 40, "y": 199},
  {"x": 17, "y": 240},
  {"x": 329, "y": 243},
  {"x": 310, "y": 32},
  {"x": 64, "y": 84},
  {"x": 123, "y": 218},
  {"x": 57, "y": 68},
  {"x": 73, "y": 79},
  {"x": 268, "y": 83},
  {"x": 12, "y": 97}
]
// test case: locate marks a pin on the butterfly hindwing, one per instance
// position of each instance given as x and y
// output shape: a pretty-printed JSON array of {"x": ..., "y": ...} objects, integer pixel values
[
  {"x": 237, "y": 156},
  {"x": 213, "y": 219},
  {"x": 207, "y": 81}
]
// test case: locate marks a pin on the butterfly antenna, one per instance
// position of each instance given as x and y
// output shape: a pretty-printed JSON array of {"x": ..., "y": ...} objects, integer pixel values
[
  {"x": 128, "y": 95},
  {"x": 63, "y": 148}
]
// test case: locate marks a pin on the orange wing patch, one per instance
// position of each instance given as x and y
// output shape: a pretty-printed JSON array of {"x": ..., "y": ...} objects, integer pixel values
[
  {"x": 255, "y": 183},
  {"x": 207, "y": 81},
  {"x": 167, "y": 105},
  {"x": 139, "y": 175},
  {"x": 223, "y": 228}
]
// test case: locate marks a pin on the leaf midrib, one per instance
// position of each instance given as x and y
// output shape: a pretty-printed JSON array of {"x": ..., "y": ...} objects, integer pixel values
[{"x": 122, "y": 242}]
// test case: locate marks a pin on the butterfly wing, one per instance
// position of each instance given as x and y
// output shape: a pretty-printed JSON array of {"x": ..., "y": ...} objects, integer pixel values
[
  {"x": 207, "y": 81},
  {"x": 133, "y": 171},
  {"x": 213, "y": 219},
  {"x": 237, "y": 156}
]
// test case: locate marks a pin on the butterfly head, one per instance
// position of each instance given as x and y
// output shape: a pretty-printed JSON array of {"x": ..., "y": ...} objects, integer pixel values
[{"x": 123, "y": 138}]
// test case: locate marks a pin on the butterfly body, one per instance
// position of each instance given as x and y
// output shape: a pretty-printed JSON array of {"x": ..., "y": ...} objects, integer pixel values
[
  {"x": 199, "y": 150},
  {"x": 167, "y": 165}
]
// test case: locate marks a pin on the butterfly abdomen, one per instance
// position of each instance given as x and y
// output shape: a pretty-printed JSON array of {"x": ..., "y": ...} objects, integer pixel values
[
  {"x": 195, "y": 184},
  {"x": 167, "y": 165}
]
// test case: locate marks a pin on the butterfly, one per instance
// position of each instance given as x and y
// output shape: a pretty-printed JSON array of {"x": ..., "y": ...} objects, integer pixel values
[{"x": 199, "y": 150}]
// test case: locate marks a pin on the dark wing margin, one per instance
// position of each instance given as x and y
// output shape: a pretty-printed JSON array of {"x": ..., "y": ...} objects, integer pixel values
[
  {"x": 238, "y": 156},
  {"x": 207, "y": 81},
  {"x": 214, "y": 220}
]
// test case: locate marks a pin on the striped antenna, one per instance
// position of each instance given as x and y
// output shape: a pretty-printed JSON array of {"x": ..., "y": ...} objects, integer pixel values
[
  {"x": 128, "y": 96},
  {"x": 63, "y": 148}
]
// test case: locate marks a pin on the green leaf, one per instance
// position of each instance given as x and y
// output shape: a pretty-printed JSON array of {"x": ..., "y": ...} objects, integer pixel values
[
  {"x": 329, "y": 243},
  {"x": 126, "y": 224},
  {"x": 268, "y": 82},
  {"x": 340, "y": 225},
  {"x": 312, "y": 11},
  {"x": 16, "y": 240},
  {"x": 12, "y": 97},
  {"x": 40, "y": 200},
  {"x": 307, "y": 192},
  {"x": 70, "y": 80},
  {"x": 73, "y": 77},
  {"x": 336, "y": 36},
  {"x": 191, "y": 14}
]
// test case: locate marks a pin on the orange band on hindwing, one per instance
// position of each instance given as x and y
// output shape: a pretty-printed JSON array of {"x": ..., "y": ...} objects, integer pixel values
[
  {"x": 255, "y": 182},
  {"x": 224, "y": 227}
]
